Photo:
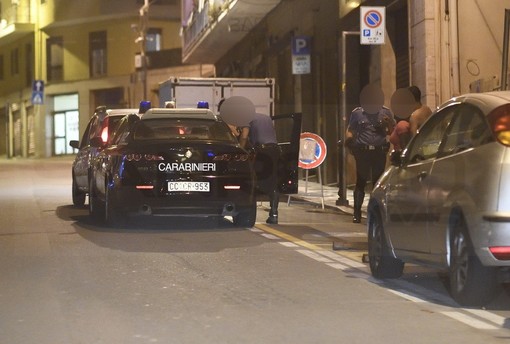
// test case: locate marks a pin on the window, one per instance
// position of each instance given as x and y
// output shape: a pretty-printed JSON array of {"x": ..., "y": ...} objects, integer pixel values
[
  {"x": 425, "y": 144},
  {"x": 29, "y": 65},
  {"x": 55, "y": 58},
  {"x": 469, "y": 130},
  {"x": 97, "y": 58},
  {"x": 15, "y": 61},
  {"x": 153, "y": 42}
]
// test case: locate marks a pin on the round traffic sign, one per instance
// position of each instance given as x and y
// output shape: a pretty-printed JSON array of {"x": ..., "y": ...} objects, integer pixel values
[
  {"x": 372, "y": 19},
  {"x": 312, "y": 151}
]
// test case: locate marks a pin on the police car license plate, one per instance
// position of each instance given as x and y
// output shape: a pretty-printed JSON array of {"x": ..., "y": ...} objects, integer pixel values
[{"x": 188, "y": 186}]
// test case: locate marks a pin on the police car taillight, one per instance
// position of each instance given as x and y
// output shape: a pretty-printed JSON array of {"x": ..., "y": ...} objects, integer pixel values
[
  {"x": 232, "y": 187},
  {"x": 143, "y": 157},
  {"x": 499, "y": 120},
  {"x": 104, "y": 135}
]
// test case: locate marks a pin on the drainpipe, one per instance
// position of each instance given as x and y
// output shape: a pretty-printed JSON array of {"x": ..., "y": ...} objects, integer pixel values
[{"x": 454, "y": 47}]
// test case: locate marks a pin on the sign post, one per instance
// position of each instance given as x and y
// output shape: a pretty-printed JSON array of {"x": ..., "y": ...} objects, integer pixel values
[{"x": 372, "y": 24}]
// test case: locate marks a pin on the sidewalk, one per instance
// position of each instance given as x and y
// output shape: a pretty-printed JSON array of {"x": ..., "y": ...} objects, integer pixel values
[{"x": 311, "y": 192}]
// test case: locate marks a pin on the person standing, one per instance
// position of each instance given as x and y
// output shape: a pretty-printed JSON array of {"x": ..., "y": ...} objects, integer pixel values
[
  {"x": 366, "y": 138},
  {"x": 422, "y": 112},
  {"x": 256, "y": 131},
  {"x": 402, "y": 105}
]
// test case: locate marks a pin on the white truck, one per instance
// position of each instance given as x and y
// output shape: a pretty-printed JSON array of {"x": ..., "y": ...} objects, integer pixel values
[{"x": 187, "y": 92}]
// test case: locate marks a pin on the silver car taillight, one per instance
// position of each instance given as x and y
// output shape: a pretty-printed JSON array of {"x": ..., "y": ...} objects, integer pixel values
[{"x": 499, "y": 120}]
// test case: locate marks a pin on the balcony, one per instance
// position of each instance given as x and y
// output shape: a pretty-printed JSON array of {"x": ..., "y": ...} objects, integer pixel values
[
  {"x": 15, "y": 23},
  {"x": 213, "y": 30}
]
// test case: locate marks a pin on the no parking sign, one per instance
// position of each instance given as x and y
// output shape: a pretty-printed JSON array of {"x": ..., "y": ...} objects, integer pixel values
[
  {"x": 372, "y": 24},
  {"x": 312, "y": 151}
]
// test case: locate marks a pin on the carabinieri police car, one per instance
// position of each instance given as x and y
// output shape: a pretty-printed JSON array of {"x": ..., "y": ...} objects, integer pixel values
[{"x": 173, "y": 162}]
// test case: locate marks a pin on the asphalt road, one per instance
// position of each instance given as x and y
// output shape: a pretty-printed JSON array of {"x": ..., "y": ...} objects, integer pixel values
[{"x": 64, "y": 279}]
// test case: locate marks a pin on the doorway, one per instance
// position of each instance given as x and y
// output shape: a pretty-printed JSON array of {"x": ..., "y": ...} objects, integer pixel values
[{"x": 65, "y": 123}]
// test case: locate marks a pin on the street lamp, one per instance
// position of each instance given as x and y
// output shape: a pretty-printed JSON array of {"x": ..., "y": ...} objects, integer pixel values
[{"x": 141, "y": 30}]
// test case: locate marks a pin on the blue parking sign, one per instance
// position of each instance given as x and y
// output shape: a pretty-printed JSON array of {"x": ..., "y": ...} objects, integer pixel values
[{"x": 38, "y": 92}]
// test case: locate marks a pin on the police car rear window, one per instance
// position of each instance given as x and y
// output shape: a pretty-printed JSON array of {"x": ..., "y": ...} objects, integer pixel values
[{"x": 179, "y": 129}]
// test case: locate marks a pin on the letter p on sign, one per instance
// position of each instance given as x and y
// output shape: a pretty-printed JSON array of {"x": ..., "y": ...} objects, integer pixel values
[{"x": 301, "y": 45}]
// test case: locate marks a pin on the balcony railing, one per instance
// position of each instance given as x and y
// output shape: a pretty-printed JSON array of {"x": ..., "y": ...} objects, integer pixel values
[
  {"x": 17, "y": 14},
  {"x": 198, "y": 24}
]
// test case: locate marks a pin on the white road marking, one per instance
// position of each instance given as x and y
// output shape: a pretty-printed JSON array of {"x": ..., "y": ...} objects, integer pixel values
[
  {"x": 470, "y": 321},
  {"x": 315, "y": 256},
  {"x": 480, "y": 319},
  {"x": 270, "y": 236},
  {"x": 288, "y": 244},
  {"x": 407, "y": 296},
  {"x": 341, "y": 259},
  {"x": 337, "y": 266},
  {"x": 494, "y": 318}
]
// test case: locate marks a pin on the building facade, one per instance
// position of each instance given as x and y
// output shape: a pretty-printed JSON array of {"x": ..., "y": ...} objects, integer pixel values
[
  {"x": 60, "y": 59},
  {"x": 445, "y": 47}
]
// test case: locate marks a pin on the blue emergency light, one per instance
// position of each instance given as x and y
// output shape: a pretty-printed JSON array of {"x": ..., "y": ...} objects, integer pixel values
[
  {"x": 203, "y": 105},
  {"x": 144, "y": 106}
]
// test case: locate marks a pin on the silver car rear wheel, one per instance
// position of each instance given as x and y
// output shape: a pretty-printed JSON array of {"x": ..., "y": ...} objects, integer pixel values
[{"x": 471, "y": 283}]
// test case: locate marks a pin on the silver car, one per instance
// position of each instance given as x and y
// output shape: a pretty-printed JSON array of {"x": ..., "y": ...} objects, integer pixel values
[{"x": 445, "y": 201}]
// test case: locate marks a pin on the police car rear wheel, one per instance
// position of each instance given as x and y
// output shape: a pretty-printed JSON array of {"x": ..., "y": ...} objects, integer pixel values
[
  {"x": 95, "y": 208},
  {"x": 246, "y": 217},
  {"x": 78, "y": 196},
  {"x": 113, "y": 217}
]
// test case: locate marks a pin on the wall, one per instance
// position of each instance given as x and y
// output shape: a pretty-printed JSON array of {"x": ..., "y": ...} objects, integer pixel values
[{"x": 480, "y": 21}]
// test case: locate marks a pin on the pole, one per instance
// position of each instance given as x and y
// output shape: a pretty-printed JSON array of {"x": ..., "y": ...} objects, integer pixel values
[
  {"x": 144, "y": 18},
  {"x": 504, "y": 62},
  {"x": 342, "y": 125}
]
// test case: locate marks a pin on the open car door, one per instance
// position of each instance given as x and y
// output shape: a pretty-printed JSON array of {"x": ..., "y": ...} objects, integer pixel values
[{"x": 288, "y": 131}]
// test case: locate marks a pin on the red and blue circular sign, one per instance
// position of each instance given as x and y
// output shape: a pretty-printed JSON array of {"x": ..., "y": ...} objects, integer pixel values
[
  {"x": 312, "y": 151},
  {"x": 372, "y": 19}
]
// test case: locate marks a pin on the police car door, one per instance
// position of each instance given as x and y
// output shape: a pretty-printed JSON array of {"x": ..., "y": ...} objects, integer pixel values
[{"x": 288, "y": 131}]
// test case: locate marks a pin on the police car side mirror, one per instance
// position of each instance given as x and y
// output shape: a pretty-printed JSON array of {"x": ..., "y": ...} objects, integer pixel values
[{"x": 74, "y": 143}]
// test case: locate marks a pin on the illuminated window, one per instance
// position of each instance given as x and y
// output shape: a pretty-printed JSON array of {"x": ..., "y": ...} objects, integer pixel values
[
  {"x": 55, "y": 58},
  {"x": 153, "y": 42},
  {"x": 98, "y": 58}
]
